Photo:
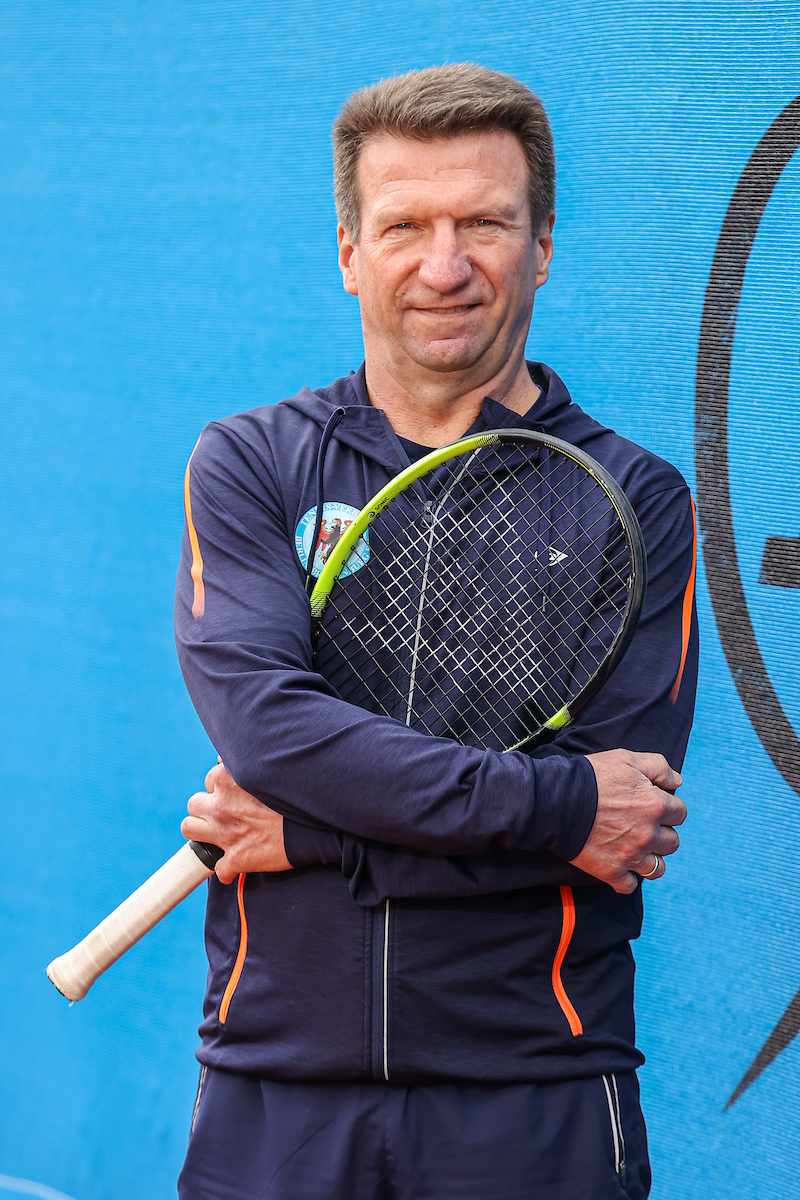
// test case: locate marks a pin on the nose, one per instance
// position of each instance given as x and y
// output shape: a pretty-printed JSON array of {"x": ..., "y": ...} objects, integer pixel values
[{"x": 445, "y": 265}]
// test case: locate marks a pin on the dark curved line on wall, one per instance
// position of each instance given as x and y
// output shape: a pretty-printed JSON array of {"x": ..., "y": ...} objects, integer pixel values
[
  {"x": 717, "y": 330},
  {"x": 711, "y": 440}
]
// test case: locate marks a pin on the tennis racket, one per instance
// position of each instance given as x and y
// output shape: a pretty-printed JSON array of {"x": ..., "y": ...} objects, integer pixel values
[{"x": 485, "y": 595}]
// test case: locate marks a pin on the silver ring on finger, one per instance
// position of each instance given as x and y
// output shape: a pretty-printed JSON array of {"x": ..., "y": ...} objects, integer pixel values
[{"x": 651, "y": 874}]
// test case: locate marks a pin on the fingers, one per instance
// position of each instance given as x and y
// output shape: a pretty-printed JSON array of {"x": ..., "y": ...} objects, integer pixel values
[
  {"x": 657, "y": 770},
  {"x": 674, "y": 810},
  {"x": 666, "y": 842},
  {"x": 248, "y": 831},
  {"x": 224, "y": 873},
  {"x": 653, "y": 868},
  {"x": 199, "y": 805},
  {"x": 217, "y": 776},
  {"x": 653, "y": 864},
  {"x": 194, "y": 829},
  {"x": 634, "y": 828}
]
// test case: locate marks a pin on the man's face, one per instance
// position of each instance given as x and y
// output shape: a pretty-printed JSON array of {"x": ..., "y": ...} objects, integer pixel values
[{"x": 446, "y": 265}]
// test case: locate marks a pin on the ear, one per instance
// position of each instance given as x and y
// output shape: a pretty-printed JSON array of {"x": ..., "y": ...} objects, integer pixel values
[
  {"x": 544, "y": 249},
  {"x": 347, "y": 261}
]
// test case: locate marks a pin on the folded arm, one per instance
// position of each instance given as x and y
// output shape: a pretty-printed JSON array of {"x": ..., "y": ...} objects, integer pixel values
[
  {"x": 290, "y": 741},
  {"x": 451, "y": 820}
]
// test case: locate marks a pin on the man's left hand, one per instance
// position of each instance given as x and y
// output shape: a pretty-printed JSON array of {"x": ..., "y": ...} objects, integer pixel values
[{"x": 250, "y": 833}]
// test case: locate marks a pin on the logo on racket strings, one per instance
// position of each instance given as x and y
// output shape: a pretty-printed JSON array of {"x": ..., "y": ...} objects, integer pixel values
[{"x": 336, "y": 519}]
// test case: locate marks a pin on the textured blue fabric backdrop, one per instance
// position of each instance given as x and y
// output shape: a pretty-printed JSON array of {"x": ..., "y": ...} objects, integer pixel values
[{"x": 167, "y": 244}]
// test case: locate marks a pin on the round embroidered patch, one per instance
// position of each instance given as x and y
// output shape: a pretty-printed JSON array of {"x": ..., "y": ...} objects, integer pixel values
[{"x": 336, "y": 518}]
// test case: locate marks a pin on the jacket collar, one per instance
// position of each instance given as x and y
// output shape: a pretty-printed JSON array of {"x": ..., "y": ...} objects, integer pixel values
[{"x": 367, "y": 430}]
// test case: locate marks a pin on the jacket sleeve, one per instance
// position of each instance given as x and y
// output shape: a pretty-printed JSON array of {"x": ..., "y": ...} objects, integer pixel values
[
  {"x": 646, "y": 706},
  {"x": 243, "y": 629},
  {"x": 376, "y": 871}
]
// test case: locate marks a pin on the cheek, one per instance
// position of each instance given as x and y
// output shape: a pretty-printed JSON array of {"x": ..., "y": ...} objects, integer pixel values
[
  {"x": 379, "y": 287},
  {"x": 518, "y": 284}
]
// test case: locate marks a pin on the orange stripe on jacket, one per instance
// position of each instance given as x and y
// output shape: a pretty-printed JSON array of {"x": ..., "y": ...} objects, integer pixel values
[
  {"x": 567, "y": 930},
  {"x": 686, "y": 623},
  {"x": 240, "y": 957},
  {"x": 199, "y": 598}
]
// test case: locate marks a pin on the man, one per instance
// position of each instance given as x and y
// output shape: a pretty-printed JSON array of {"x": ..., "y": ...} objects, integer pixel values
[{"x": 421, "y": 985}]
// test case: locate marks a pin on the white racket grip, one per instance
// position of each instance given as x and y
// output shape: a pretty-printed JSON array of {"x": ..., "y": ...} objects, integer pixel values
[{"x": 74, "y": 973}]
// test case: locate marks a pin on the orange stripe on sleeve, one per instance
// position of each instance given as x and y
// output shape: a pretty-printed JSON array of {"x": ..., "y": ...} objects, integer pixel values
[
  {"x": 567, "y": 930},
  {"x": 240, "y": 957},
  {"x": 199, "y": 598},
  {"x": 686, "y": 622}
]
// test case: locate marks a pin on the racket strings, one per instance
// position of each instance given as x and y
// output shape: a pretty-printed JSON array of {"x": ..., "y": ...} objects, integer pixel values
[
  {"x": 491, "y": 659},
  {"x": 493, "y": 591}
]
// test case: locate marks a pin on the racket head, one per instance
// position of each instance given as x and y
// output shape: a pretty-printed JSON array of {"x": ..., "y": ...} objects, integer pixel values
[{"x": 486, "y": 593}]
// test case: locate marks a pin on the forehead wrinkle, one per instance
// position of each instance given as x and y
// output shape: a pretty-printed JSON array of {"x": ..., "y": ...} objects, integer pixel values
[{"x": 419, "y": 167}]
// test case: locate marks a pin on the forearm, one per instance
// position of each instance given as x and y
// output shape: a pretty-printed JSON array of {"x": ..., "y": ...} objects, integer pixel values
[
  {"x": 289, "y": 740},
  {"x": 377, "y": 871},
  {"x": 330, "y": 763}
]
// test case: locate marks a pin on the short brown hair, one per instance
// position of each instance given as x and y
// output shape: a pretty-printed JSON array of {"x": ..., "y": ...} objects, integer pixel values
[{"x": 443, "y": 102}]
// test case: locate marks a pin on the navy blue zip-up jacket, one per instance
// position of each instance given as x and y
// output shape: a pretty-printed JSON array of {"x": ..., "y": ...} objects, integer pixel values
[{"x": 433, "y": 928}]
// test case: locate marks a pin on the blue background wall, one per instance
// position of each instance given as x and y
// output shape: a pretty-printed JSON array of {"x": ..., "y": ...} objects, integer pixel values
[{"x": 167, "y": 243}]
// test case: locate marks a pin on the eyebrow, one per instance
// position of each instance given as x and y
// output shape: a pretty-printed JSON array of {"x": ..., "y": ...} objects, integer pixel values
[{"x": 394, "y": 214}]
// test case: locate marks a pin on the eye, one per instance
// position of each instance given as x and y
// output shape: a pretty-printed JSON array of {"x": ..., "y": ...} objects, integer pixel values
[
  {"x": 402, "y": 225},
  {"x": 485, "y": 222}
]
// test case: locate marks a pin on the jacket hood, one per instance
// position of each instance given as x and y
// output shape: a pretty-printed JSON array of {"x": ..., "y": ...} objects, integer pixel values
[{"x": 366, "y": 429}]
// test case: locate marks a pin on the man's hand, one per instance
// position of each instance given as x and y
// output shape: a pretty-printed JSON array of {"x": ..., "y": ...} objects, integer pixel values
[
  {"x": 635, "y": 818},
  {"x": 250, "y": 833}
]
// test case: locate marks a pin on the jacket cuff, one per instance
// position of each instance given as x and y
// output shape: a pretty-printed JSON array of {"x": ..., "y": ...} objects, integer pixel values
[
  {"x": 564, "y": 828},
  {"x": 306, "y": 847}
]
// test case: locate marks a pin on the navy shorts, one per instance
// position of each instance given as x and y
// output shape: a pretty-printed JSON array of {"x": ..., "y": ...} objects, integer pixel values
[{"x": 255, "y": 1139}]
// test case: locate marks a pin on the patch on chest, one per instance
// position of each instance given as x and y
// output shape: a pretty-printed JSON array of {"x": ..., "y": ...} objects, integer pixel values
[{"x": 336, "y": 518}]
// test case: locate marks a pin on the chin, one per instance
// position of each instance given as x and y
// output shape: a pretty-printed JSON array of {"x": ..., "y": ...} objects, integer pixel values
[{"x": 450, "y": 355}]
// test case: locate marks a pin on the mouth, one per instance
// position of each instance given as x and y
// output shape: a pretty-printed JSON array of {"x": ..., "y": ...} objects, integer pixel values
[{"x": 449, "y": 310}]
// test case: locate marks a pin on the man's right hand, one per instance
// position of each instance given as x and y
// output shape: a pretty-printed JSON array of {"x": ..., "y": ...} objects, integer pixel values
[{"x": 635, "y": 820}]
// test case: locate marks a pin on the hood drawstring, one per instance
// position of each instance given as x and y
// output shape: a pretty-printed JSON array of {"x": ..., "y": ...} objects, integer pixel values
[{"x": 327, "y": 433}]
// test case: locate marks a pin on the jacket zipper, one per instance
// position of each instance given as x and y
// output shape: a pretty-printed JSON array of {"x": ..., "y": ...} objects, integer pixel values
[
  {"x": 379, "y": 1002},
  {"x": 196, "y": 1109},
  {"x": 612, "y": 1097},
  {"x": 386, "y": 991}
]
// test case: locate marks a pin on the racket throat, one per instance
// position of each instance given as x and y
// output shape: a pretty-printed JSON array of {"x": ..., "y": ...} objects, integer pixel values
[{"x": 547, "y": 728}]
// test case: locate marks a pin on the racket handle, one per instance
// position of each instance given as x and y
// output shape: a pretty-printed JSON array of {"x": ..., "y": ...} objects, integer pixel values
[{"x": 74, "y": 973}]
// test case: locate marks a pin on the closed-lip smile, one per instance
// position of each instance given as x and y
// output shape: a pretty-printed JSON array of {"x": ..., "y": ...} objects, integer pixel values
[{"x": 448, "y": 310}]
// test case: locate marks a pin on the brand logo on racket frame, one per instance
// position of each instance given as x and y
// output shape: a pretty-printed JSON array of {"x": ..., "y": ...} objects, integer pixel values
[{"x": 337, "y": 517}]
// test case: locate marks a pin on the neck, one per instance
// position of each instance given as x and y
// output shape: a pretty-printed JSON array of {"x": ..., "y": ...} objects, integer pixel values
[{"x": 435, "y": 411}]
